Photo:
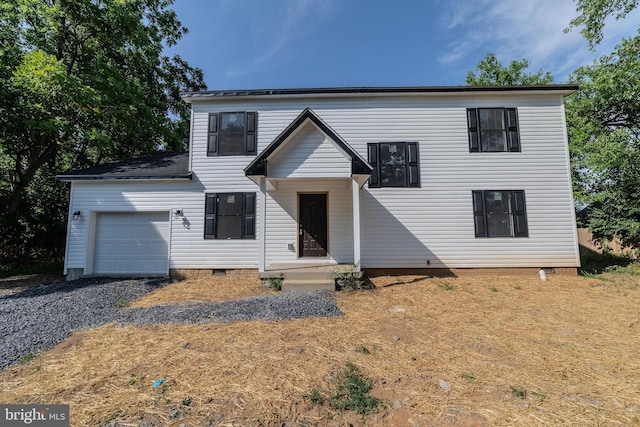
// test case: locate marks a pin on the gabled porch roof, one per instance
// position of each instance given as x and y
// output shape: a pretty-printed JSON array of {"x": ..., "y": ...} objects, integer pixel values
[{"x": 258, "y": 167}]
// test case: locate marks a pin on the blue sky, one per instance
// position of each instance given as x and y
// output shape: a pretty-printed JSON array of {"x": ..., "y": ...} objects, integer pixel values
[{"x": 248, "y": 44}]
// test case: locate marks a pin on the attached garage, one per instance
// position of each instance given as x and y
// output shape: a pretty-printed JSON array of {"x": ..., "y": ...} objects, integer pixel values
[{"x": 131, "y": 243}]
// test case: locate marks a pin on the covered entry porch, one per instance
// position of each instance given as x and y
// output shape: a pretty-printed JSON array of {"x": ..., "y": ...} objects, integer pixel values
[{"x": 310, "y": 181}]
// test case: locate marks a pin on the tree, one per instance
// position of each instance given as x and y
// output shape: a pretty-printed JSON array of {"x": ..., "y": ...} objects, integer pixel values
[
  {"x": 603, "y": 120},
  {"x": 492, "y": 73},
  {"x": 593, "y": 16},
  {"x": 83, "y": 82}
]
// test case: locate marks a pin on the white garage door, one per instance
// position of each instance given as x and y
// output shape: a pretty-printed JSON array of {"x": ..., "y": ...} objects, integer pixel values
[{"x": 131, "y": 243}]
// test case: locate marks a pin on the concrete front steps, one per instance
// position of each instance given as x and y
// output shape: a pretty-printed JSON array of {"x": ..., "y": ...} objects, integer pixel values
[{"x": 305, "y": 277}]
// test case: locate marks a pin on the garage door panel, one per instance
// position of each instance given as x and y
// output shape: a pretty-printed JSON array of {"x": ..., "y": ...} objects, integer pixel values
[{"x": 131, "y": 243}]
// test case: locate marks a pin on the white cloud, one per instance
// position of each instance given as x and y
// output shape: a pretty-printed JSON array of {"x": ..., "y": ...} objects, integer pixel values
[{"x": 524, "y": 29}]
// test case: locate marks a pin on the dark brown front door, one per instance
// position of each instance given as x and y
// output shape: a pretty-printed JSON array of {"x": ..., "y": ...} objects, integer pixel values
[{"x": 312, "y": 232}]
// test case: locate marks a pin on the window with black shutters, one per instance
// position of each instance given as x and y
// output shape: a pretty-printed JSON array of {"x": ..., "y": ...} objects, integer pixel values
[
  {"x": 232, "y": 134},
  {"x": 395, "y": 164},
  {"x": 493, "y": 130},
  {"x": 500, "y": 213},
  {"x": 230, "y": 216}
]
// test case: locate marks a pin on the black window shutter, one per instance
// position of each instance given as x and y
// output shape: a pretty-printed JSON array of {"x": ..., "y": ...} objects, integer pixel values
[
  {"x": 249, "y": 216},
  {"x": 374, "y": 180},
  {"x": 212, "y": 141},
  {"x": 519, "y": 214},
  {"x": 478, "y": 214},
  {"x": 474, "y": 135},
  {"x": 210, "y": 207},
  {"x": 512, "y": 129},
  {"x": 250, "y": 141},
  {"x": 413, "y": 165}
]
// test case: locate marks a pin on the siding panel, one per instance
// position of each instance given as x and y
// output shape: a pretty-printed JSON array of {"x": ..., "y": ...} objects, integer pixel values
[{"x": 401, "y": 227}]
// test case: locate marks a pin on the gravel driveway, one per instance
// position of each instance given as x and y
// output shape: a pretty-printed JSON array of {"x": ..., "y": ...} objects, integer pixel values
[{"x": 37, "y": 319}]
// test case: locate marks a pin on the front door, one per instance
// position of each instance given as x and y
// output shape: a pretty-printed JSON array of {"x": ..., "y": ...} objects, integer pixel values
[{"x": 312, "y": 231}]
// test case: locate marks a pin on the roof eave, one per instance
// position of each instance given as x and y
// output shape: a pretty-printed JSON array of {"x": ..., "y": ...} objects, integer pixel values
[
  {"x": 184, "y": 177},
  {"x": 562, "y": 89}
]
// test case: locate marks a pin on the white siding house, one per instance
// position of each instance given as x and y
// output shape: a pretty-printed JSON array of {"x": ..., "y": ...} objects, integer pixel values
[{"x": 384, "y": 178}]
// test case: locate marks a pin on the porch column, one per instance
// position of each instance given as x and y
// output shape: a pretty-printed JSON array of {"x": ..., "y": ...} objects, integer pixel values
[
  {"x": 355, "y": 187},
  {"x": 262, "y": 222}
]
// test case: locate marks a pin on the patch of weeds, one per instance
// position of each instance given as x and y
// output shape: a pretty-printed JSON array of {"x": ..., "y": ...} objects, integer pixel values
[
  {"x": 26, "y": 358},
  {"x": 540, "y": 395},
  {"x": 353, "y": 392},
  {"x": 163, "y": 391},
  {"x": 38, "y": 368},
  {"x": 186, "y": 401},
  {"x": 633, "y": 269},
  {"x": 362, "y": 349},
  {"x": 136, "y": 379},
  {"x": 446, "y": 286},
  {"x": 598, "y": 277},
  {"x": 494, "y": 289},
  {"x": 314, "y": 397},
  {"x": 122, "y": 303},
  {"x": 275, "y": 282},
  {"x": 517, "y": 287},
  {"x": 468, "y": 377},
  {"x": 351, "y": 280},
  {"x": 518, "y": 392},
  {"x": 595, "y": 263},
  {"x": 50, "y": 267}
]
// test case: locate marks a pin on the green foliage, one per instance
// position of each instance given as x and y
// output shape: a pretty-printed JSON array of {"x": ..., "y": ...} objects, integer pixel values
[
  {"x": 446, "y": 286},
  {"x": 632, "y": 268},
  {"x": 81, "y": 82},
  {"x": 518, "y": 392},
  {"x": 353, "y": 392},
  {"x": 492, "y": 73},
  {"x": 314, "y": 397},
  {"x": 52, "y": 267},
  {"x": 136, "y": 379},
  {"x": 275, "y": 282},
  {"x": 596, "y": 263},
  {"x": 122, "y": 303},
  {"x": 352, "y": 280},
  {"x": 468, "y": 377},
  {"x": 593, "y": 16},
  {"x": 603, "y": 121},
  {"x": 362, "y": 349},
  {"x": 26, "y": 358}
]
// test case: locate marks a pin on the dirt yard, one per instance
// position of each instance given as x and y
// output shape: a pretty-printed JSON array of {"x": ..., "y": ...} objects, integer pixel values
[{"x": 468, "y": 351}]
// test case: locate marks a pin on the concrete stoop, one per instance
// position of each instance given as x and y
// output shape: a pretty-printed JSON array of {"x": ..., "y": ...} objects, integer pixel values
[{"x": 306, "y": 278}]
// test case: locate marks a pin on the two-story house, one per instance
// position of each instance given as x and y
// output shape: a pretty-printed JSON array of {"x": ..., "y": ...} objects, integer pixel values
[{"x": 380, "y": 177}]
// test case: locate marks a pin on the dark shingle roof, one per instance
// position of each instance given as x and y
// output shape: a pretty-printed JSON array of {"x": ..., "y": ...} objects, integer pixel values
[
  {"x": 152, "y": 166},
  {"x": 206, "y": 95}
]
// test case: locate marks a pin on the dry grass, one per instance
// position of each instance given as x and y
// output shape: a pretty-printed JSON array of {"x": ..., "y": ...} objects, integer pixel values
[{"x": 571, "y": 343}]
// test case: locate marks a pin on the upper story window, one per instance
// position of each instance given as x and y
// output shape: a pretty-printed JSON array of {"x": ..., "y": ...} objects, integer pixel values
[
  {"x": 493, "y": 129},
  {"x": 500, "y": 213},
  {"x": 230, "y": 216},
  {"x": 395, "y": 164},
  {"x": 232, "y": 134}
]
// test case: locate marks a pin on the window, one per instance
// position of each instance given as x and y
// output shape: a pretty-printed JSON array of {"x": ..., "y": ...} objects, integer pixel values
[
  {"x": 230, "y": 216},
  {"x": 500, "y": 213},
  {"x": 232, "y": 134},
  {"x": 493, "y": 130},
  {"x": 395, "y": 164}
]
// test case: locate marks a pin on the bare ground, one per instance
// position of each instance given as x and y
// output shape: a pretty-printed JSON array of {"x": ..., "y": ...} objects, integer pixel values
[{"x": 484, "y": 350}]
